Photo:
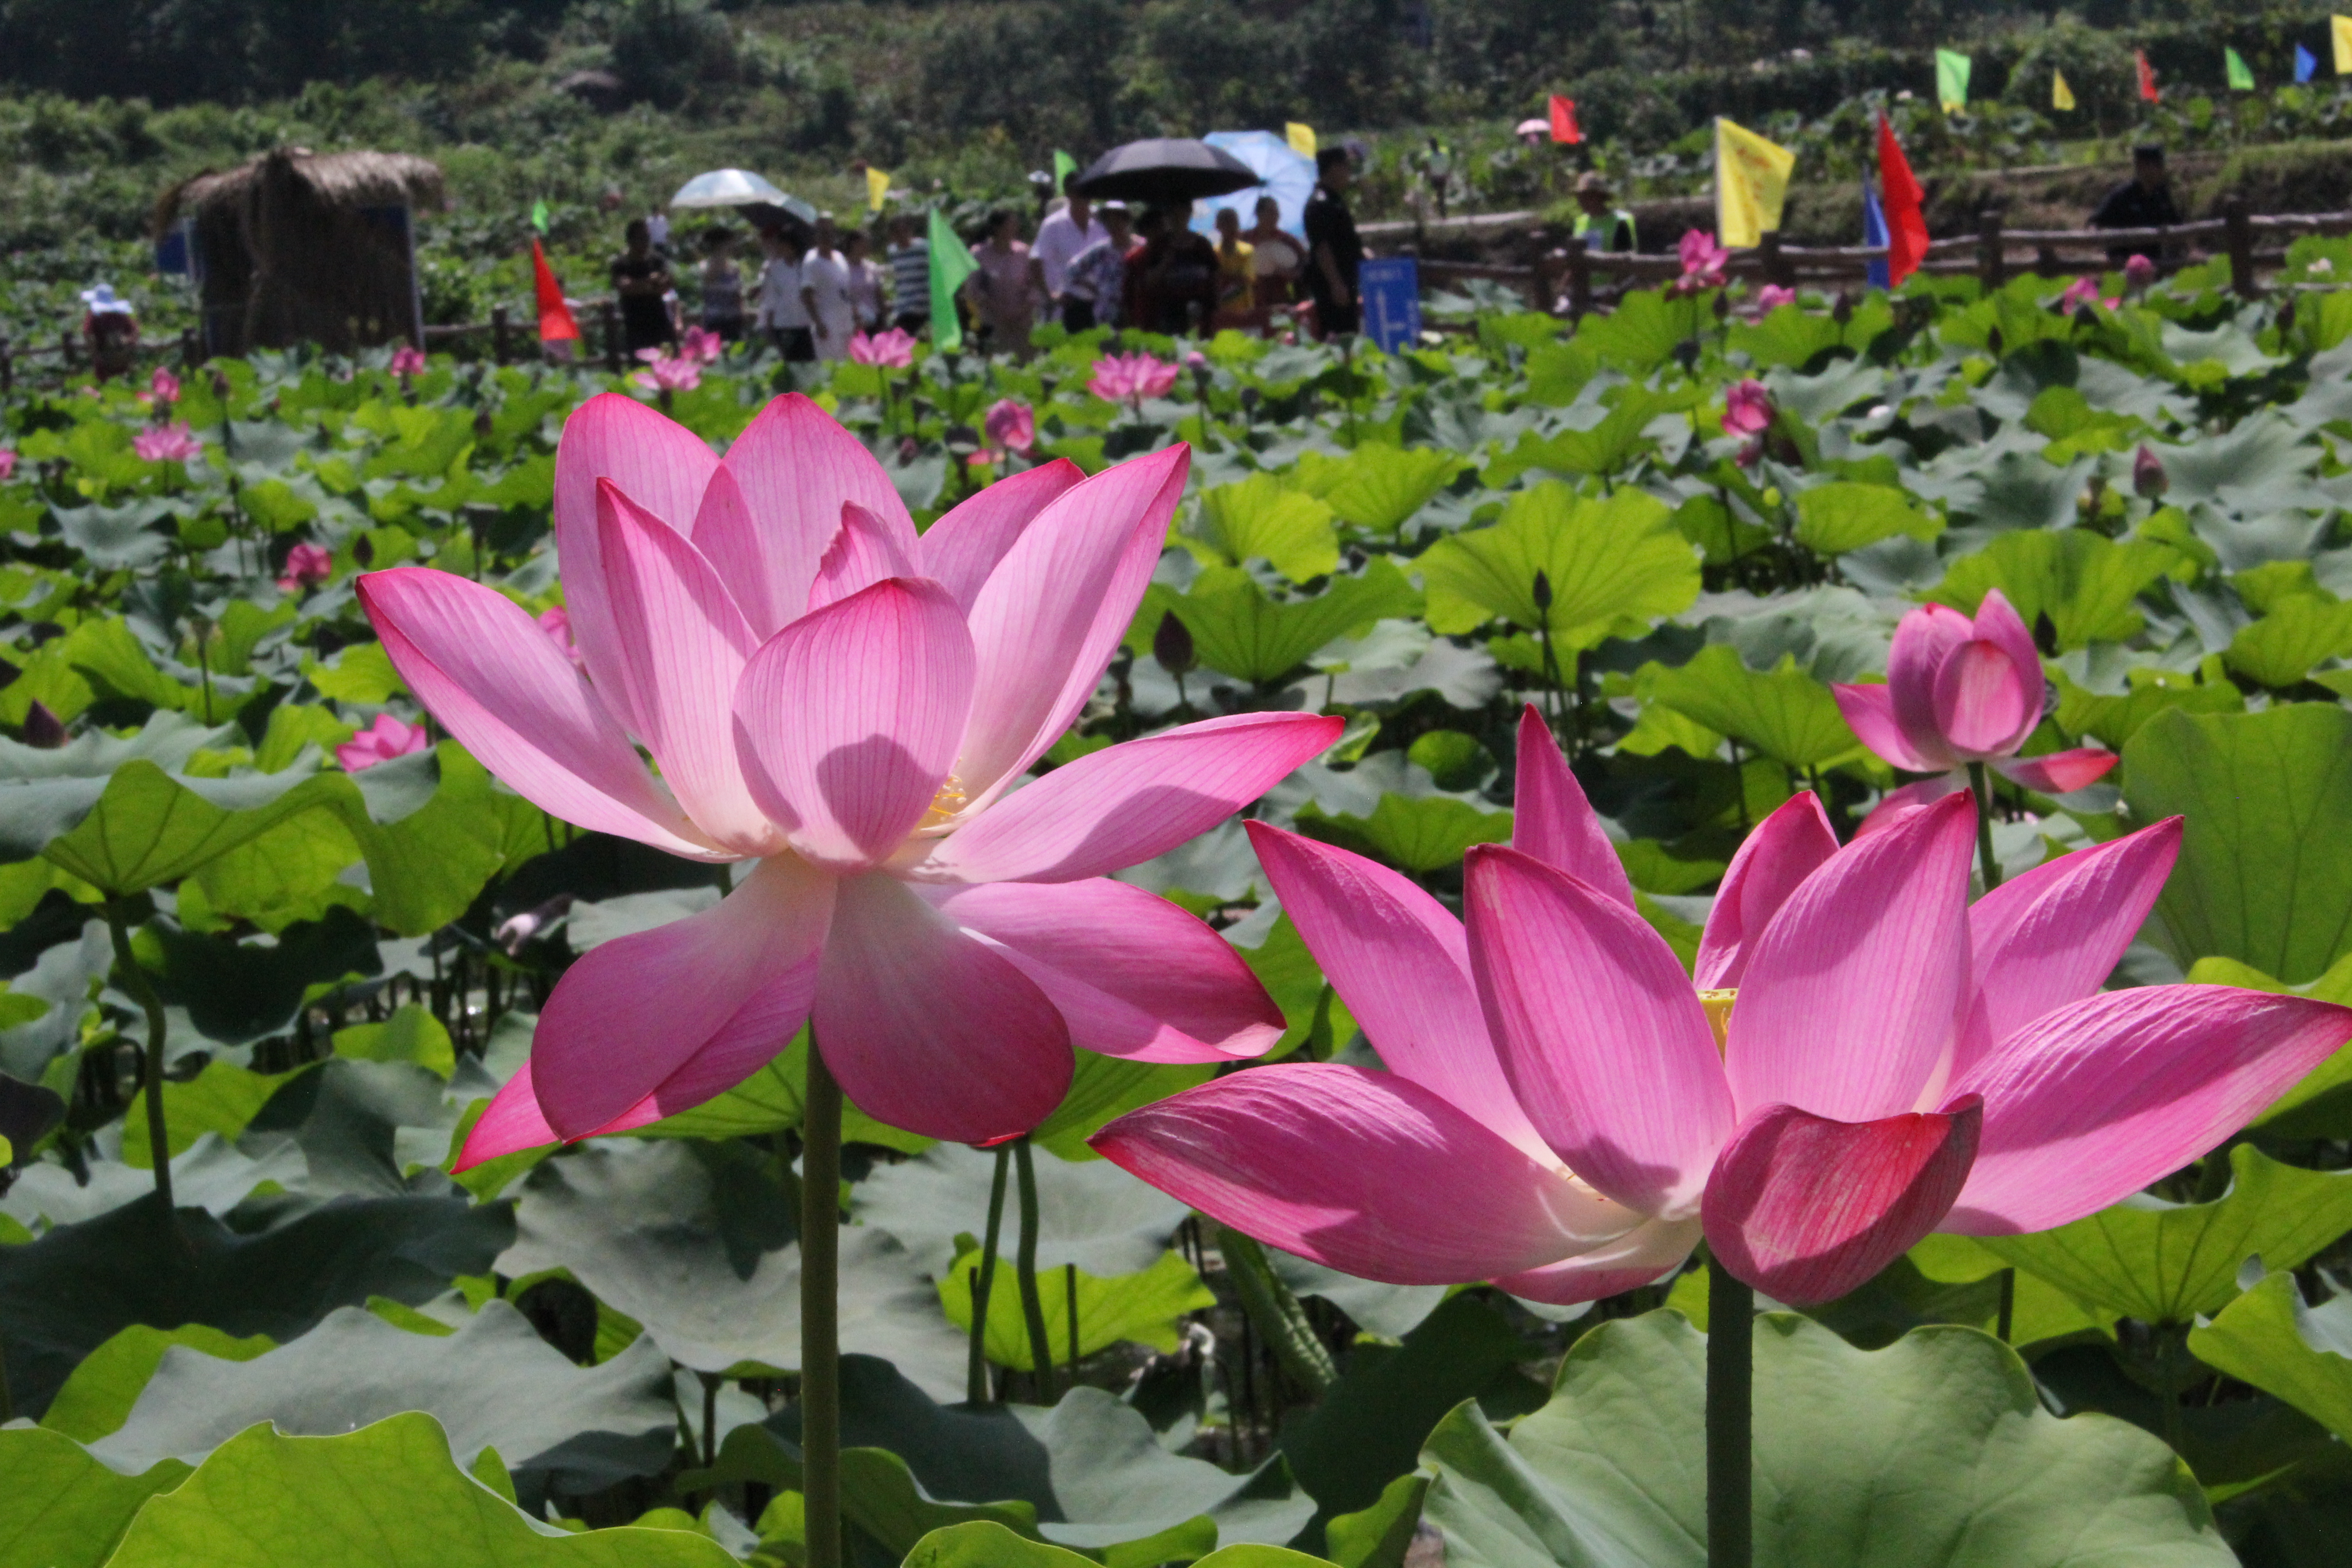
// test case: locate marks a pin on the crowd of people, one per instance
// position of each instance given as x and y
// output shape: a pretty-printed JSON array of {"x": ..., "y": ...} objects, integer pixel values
[{"x": 1082, "y": 263}]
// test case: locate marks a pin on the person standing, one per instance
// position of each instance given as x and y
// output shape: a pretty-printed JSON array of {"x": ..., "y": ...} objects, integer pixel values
[
  {"x": 641, "y": 281},
  {"x": 865, "y": 281},
  {"x": 1335, "y": 254},
  {"x": 825, "y": 293},
  {"x": 1276, "y": 259},
  {"x": 1599, "y": 226},
  {"x": 2145, "y": 201},
  {"x": 1095, "y": 292},
  {"x": 782, "y": 315},
  {"x": 1061, "y": 236},
  {"x": 723, "y": 287},
  {"x": 1004, "y": 292},
  {"x": 910, "y": 276},
  {"x": 1237, "y": 273}
]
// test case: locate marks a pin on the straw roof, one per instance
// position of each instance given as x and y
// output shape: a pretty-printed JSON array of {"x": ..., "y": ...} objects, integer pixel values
[{"x": 346, "y": 180}]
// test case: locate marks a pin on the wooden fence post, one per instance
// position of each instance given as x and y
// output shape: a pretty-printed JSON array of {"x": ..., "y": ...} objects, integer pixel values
[
  {"x": 611, "y": 315},
  {"x": 1579, "y": 279},
  {"x": 499, "y": 334},
  {"x": 1991, "y": 264},
  {"x": 65, "y": 350},
  {"x": 2241, "y": 248},
  {"x": 8, "y": 369}
]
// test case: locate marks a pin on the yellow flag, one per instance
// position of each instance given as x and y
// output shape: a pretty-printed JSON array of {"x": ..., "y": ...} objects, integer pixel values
[
  {"x": 2341, "y": 26},
  {"x": 877, "y": 188},
  {"x": 2061, "y": 95},
  {"x": 1302, "y": 137},
  {"x": 1751, "y": 179}
]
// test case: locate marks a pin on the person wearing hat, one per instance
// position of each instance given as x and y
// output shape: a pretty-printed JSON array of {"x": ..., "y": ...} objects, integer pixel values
[
  {"x": 1601, "y": 226},
  {"x": 110, "y": 328}
]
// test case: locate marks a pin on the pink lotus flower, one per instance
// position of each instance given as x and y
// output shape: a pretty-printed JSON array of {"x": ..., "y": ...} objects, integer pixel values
[
  {"x": 1772, "y": 297},
  {"x": 1703, "y": 262},
  {"x": 2138, "y": 273},
  {"x": 2148, "y": 479},
  {"x": 666, "y": 373},
  {"x": 1959, "y": 691},
  {"x": 407, "y": 361},
  {"x": 1864, "y": 1058},
  {"x": 556, "y": 622},
  {"x": 7, "y": 464},
  {"x": 893, "y": 350},
  {"x": 380, "y": 743},
  {"x": 163, "y": 387},
  {"x": 2081, "y": 292},
  {"x": 1747, "y": 408},
  {"x": 846, "y": 703},
  {"x": 1131, "y": 378},
  {"x": 701, "y": 345},
  {"x": 307, "y": 566},
  {"x": 172, "y": 443},
  {"x": 1010, "y": 427}
]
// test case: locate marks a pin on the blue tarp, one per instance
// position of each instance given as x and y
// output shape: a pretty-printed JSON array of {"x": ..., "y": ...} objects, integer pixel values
[{"x": 1289, "y": 178}]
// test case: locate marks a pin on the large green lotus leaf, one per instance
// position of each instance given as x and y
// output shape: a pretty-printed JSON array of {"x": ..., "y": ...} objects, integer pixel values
[
  {"x": 770, "y": 1101},
  {"x": 239, "y": 991},
  {"x": 1263, "y": 518},
  {"x": 1604, "y": 448},
  {"x": 2271, "y": 1338},
  {"x": 411, "y": 1035},
  {"x": 2280, "y": 648},
  {"x": 2266, "y": 869},
  {"x": 1782, "y": 712},
  {"x": 1645, "y": 329},
  {"x": 2087, "y": 585},
  {"x": 1614, "y": 566},
  {"x": 113, "y": 537},
  {"x": 220, "y": 1098},
  {"x": 493, "y": 1384},
  {"x": 1935, "y": 1449},
  {"x": 1237, "y": 629},
  {"x": 2169, "y": 1263},
  {"x": 640, "y": 1225},
  {"x": 64, "y": 1509},
  {"x": 1418, "y": 834},
  {"x": 107, "y": 654},
  {"x": 2262, "y": 449},
  {"x": 2038, "y": 1310},
  {"x": 102, "y": 1389},
  {"x": 1090, "y": 1213},
  {"x": 1379, "y": 487},
  {"x": 1842, "y": 515},
  {"x": 78, "y": 1285},
  {"x": 1107, "y": 1087},
  {"x": 982, "y": 1544},
  {"x": 387, "y": 1495},
  {"x": 2113, "y": 718},
  {"x": 1144, "y": 1307}
]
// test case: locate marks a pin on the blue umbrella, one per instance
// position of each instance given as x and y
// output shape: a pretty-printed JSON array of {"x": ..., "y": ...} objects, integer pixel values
[{"x": 1285, "y": 173}]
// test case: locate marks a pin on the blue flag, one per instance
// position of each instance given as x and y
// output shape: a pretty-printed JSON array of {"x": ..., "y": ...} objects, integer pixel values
[
  {"x": 2306, "y": 62},
  {"x": 1874, "y": 232}
]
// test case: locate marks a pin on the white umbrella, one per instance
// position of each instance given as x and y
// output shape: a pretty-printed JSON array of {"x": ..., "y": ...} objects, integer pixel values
[{"x": 738, "y": 188}]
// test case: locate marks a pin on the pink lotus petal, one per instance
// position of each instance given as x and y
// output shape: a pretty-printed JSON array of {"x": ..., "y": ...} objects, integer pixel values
[
  {"x": 1897, "y": 803},
  {"x": 962, "y": 548},
  {"x": 1364, "y": 1172},
  {"x": 1869, "y": 712},
  {"x": 1854, "y": 994},
  {"x": 931, "y": 1030},
  {"x": 795, "y": 468},
  {"x": 633, "y": 1011},
  {"x": 1600, "y": 1036},
  {"x": 510, "y": 1123},
  {"x": 1787, "y": 847},
  {"x": 1983, "y": 700},
  {"x": 1125, "y": 804},
  {"x": 380, "y": 743},
  {"x": 679, "y": 645},
  {"x": 1553, "y": 822},
  {"x": 1049, "y": 617},
  {"x": 1641, "y": 1257},
  {"x": 2057, "y": 772},
  {"x": 1133, "y": 975},
  {"x": 848, "y": 719},
  {"x": 1402, "y": 965},
  {"x": 2090, "y": 1102},
  {"x": 1922, "y": 640},
  {"x": 478, "y": 664},
  {"x": 866, "y": 550},
  {"x": 1805, "y": 1208}
]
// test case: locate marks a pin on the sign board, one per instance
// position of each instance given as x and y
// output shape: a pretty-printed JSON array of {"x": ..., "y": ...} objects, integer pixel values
[{"x": 1390, "y": 288}]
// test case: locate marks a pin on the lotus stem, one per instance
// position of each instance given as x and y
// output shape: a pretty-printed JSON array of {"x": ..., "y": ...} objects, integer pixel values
[
  {"x": 2006, "y": 1318},
  {"x": 820, "y": 1312},
  {"x": 1730, "y": 1412},
  {"x": 1281, "y": 1321},
  {"x": 1033, "y": 1306},
  {"x": 976, "y": 1389},
  {"x": 135, "y": 980},
  {"x": 1981, "y": 785}
]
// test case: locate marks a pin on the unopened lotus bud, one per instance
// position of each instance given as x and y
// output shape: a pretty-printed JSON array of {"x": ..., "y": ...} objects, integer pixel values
[
  {"x": 1843, "y": 311},
  {"x": 2148, "y": 477},
  {"x": 1543, "y": 591},
  {"x": 481, "y": 424},
  {"x": 1722, "y": 303},
  {"x": 1171, "y": 645},
  {"x": 364, "y": 550},
  {"x": 1993, "y": 342},
  {"x": 43, "y": 728},
  {"x": 2286, "y": 315},
  {"x": 2139, "y": 272}
]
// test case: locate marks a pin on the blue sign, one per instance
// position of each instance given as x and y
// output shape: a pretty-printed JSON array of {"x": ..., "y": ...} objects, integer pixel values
[{"x": 1389, "y": 291}]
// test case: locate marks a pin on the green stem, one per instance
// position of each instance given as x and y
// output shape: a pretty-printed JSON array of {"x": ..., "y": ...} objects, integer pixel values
[
  {"x": 1730, "y": 1409},
  {"x": 135, "y": 980},
  {"x": 820, "y": 1312},
  {"x": 976, "y": 1388},
  {"x": 2005, "y": 1320},
  {"x": 1033, "y": 1306},
  {"x": 1280, "y": 1319},
  {"x": 1982, "y": 786}
]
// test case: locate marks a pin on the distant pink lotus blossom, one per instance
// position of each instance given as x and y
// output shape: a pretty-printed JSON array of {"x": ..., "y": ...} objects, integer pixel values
[
  {"x": 1196, "y": 359},
  {"x": 2081, "y": 292},
  {"x": 556, "y": 622},
  {"x": 163, "y": 387},
  {"x": 1010, "y": 427},
  {"x": 893, "y": 350},
  {"x": 174, "y": 443},
  {"x": 667, "y": 372},
  {"x": 7, "y": 463},
  {"x": 307, "y": 566},
  {"x": 407, "y": 361},
  {"x": 701, "y": 345},
  {"x": 1703, "y": 262},
  {"x": 1960, "y": 691},
  {"x": 1747, "y": 408},
  {"x": 1131, "y": 378},
  {"x": 1862, "y": 1057},
  {"x": 1772, "y": 297},
  {"x": 2138, "y": 273},
  {"x": 380, "y": 743},
  {"x": 850, "y": 704}
]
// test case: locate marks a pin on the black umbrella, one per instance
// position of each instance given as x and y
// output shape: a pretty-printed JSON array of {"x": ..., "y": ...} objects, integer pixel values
[{"x": 1165, "y": 168}]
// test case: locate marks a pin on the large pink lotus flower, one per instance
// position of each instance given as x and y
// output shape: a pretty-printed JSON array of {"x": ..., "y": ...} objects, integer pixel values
[
  {"x": 666, "y": 373},
  {"x": 380, "y": 743},
  {"x": 1772, "y": 297},
  {"x": 848, "y": 704},
  {"x": 1010, "y": 427},
  {"x": 172, "y": 443},
  {"x": 1961, "y": 690},
  {"x": 1863, "y": 1057},
  {"x": 307, "y": 566},
  {"x": 407, "y": 360},
  {"x": 1131, "y": 378},
  {"x": 1703, "y": 262},
  {"x": 1747, "y": 408},
  {"x": 701, "y": 345},
  {"x": 893, "y": 350}
]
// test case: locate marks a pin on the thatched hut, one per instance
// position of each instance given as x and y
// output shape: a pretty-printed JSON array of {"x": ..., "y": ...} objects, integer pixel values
[{"x": 299, "y": 247}]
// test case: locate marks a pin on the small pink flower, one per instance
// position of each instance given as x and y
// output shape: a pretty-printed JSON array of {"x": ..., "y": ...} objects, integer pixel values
[
  {"x": 2081, "y": 292},
  {"x": 7, "y": 463},
  {"x": 701, "y": 345},
  {"x": 163, "y": 387},
  {"x": 893, "y": 350},
  {"x": 1703, "y": 262},
  {"x": 307, "y": 566},
  {"x": 407, "y": 361},
  {"x": 1196, "y": 359},
  {"x": 380, "y": 743},
  {"x": 556, "y": 622},
  {"x": 1772, "y": 297},
  {"x": 2148, "y": 477},
  {"x": 2139, "y": 272},
  {"x": 1010, "y": 427},
  {"x": 171, "y": 443},
  {"x": 1131, "y": 378},
  {"x": 666, "y": 373},
  {"x": 1747, "y": 408}
]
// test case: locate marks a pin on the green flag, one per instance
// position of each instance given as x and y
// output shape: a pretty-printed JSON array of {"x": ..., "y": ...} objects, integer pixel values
[
  {"x": 2242, "y": 78},
  {"x": 1951, "y": 79},
  {"x": 1064, "y": 167},
  {"x": 950, "y": 265},
  {"x": 538, "y": 217}
]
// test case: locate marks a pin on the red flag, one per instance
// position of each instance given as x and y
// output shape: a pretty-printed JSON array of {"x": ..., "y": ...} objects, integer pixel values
[
  {"x": 1564, "y": 120},
  {"x": 1900, "y": 196},
  {"x": 555, "y": 322},
  {"x": 2147, "y": 77}
]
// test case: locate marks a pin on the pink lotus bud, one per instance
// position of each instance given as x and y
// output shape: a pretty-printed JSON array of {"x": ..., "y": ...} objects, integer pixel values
[
  {"x": 2148, "y": 477},
  {"x": 1010, "y": 427},
  {"x": 2139, "y": 272},
  {"x": 307, "y": 566},
  {"x": 1747, "y": 408}
]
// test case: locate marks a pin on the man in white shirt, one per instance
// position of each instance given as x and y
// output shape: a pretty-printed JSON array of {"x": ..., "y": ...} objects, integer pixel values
[
  {"x": 1060, "y": 237},
  {"x": 825, "y": 293},
  {"x": 782, "y": 315}
]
